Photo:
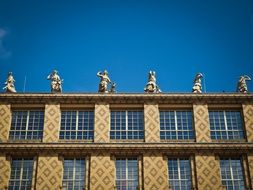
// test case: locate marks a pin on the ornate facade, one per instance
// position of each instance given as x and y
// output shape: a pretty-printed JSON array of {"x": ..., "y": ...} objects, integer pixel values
[{"x": 126, "y": 141}]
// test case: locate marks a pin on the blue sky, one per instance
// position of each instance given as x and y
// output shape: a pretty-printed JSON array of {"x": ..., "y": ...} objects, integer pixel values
[{"x": 175, "y": 38}]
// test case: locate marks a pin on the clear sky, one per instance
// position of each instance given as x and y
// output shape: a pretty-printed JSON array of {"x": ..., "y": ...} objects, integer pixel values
[{"x": 175, "y": 38}]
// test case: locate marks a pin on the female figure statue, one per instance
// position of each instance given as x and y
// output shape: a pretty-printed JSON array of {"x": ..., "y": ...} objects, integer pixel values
[
  {"x": 104, "y": 81},
  {"x": 55, "y": 82},
  {"x": 9, "y": 84}
]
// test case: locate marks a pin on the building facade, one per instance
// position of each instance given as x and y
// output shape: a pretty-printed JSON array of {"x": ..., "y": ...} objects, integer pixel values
[{"x": 126, "y": 141}]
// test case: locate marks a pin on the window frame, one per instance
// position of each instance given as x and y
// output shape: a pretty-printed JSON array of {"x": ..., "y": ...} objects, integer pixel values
[
  {"x": 21, "y": 172},
  {"x": 28, "y": 126},
  {"x": 177, "y": 132},
  {"x": 178, "y": 159},
  {"x": 84, "y": 179},
  {"x": 126, "y": 168},
  {"x": 230, "y": 159},
  {"x": 226, "y": 130},
  {"x": 62, "y": 137},
  {"x": 140, "y": 132}
]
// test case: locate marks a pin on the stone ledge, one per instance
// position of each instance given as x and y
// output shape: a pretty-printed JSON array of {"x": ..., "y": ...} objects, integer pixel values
[{"x": 126, "y": 98}]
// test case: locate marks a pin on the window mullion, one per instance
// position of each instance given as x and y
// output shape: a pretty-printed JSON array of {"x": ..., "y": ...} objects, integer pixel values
[
  {"x": 231, "y": 173},
  {"x": 126, "y": 173},
  {"x": 226, "y": 124},
  {"x": 77, "y": 118},
  {"x": 21, "y": 173},
  {"x": 74, "y": 173},
  {"x": 175, "y": 117},
  {"x": 126, "y": 122},
  {"x": 27, "y": 123},
  {"x": 179, "y": 173}
]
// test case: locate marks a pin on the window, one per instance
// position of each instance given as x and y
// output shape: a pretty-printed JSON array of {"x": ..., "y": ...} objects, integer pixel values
[
  {"x": 127, "y": 125},
  {"x": 126, "y": 173},
  {"x": 77, "y": 125},
  {"x": 179, "y": 174},
  {"x": 226, "y": 125},
  {"x": 176, "y": 125},
  {"x": 27, "y": 125},
  {"x": 231, "y": 174},
  {"x": 21, "y": 174},
  {"x": 74, "y": 174}
]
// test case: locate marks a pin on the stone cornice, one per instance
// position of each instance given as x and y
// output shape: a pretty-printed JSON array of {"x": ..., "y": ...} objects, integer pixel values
[
  {"x": 126, "y": 98},
  {"x": 189, "y": 147}
]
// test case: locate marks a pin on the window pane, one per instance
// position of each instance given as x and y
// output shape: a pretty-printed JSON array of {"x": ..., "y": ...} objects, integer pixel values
[
  {"x": 231, "y": 173},
  {"x": 74, "y": 174},
  {"x": 21, "y": 174},
  {"x": 126, "y": 173},
  {"x": 127, "y": 125},
  {"x": 27, "y": 125},
  {"x": 176, "y": 125},
  {"x": 77, "y": 125},
  {"x": 179, "y": 174},
  {"x": 226, "y": 125}
]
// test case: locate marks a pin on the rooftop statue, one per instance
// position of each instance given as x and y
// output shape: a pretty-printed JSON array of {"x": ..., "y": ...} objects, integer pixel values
[
  {"x": 197, "y": 87},
  {"x": 104, "y": 81},
  {"x": 9, "y": 84},
  {"x": 113, "y": 87},
  {"x": 241, "y": 85},
  {"x": 56, "y": 82},
  {"x": 151, "y": 86}
]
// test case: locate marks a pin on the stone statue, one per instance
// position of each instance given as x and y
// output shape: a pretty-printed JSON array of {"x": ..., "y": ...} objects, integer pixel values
[
  {"x": 113, "y": 87},
  {"x": 9, "y": 84},
  {"x": 197, "y": 87},
  {"x": 104, "y": 81},
  {"x": 56, "y": 82},
  {"x": 151, "y": 86},
  {"x": 241, "y": 85}
]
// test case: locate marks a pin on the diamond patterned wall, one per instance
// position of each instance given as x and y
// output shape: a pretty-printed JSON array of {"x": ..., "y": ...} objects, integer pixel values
[
  {"x": 248, "y": 121},
  {"x": 201, "y": 120},
  {"x": 155, "y": 172},
  {"x": 152, "y": 123},
  {"x": 208, "y": 172},
  {"x": 51, "y": 123},
  {"x": 49, "y": 173},
  {"x": 102, "y": 172},
  {"x": 5, "y": 122},
  {"x": 4, "y": 172},
  {"x": 250, "y": 161},
  {"x": 102, "y": 123}
]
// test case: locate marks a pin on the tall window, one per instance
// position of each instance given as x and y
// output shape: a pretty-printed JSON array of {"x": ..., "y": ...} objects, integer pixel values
[
  {"x": 77, "y": 125},
  {"x": 176, "y": 125},
  {"x": 127, "y": 125},
  {"x": 226, "y": 125},
  {"x": 126, "y": 173},
  {"x": 27, "y": 125},
  {"x": 231, "y": 174},
  {"x": 74, "y": 174},
  {"x": 179, "y": 174},
  {"x": 21, "y": 174}
]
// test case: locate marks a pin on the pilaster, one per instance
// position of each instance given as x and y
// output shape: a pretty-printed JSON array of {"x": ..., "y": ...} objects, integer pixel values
[
  {"x": 102, "y": 172},
  {"x": 49, "y": 172},
  {"x": 102, "y": 123},
  {"x": 248, "y": 121},
  {"x": 5, "y": 170},
  {"x": 5, "y": 121},
  {"x": 51, "y": 123},
  {"x": 152, "y": 123},
  {"x": 250, "y": 164},
  {"x": 208, "y": 172},
  {"x": 201, "y": 120},
  {"x": 155, "y": 170}
]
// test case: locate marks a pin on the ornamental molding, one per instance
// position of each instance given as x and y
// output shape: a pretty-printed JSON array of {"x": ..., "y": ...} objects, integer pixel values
[
  {"x": 137, "y": 148},
  {"x": 126, "y": 98}
]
